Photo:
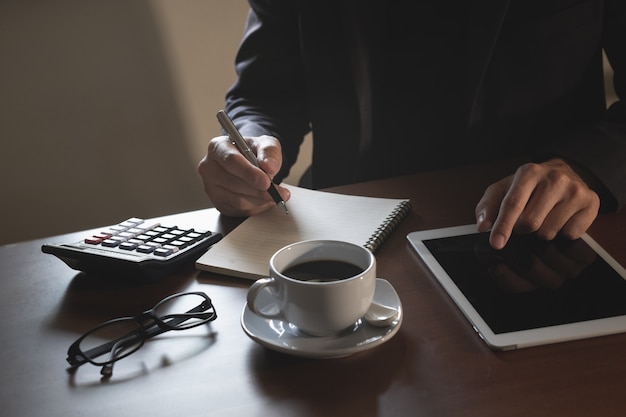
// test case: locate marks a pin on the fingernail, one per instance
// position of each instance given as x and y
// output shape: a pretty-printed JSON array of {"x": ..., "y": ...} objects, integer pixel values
[{"x": 482, "y": 225}]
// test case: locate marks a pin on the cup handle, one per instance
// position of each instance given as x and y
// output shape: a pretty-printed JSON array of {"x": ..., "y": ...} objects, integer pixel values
[{"x": 254, "y": 291}]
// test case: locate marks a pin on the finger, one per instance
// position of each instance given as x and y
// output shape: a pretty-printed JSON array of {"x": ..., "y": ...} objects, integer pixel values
[
  {"x": 578, "y": 224},
  {"x": 229, "y": 180},
  {"x": 553, "y": 222},
  {"x": 572, "y": 215},
  {"x": 555, "y": 199},
  {"x": 512, "y": 206},
  {"x": 237, "y": 174},
  {"x": 240, "y": 205},
  {"x": 232, "y": 203},
  {"x": 542, "y": 205}
]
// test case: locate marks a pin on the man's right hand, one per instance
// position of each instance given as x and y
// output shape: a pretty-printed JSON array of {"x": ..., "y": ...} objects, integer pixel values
[{"x": 234, "y": 185}]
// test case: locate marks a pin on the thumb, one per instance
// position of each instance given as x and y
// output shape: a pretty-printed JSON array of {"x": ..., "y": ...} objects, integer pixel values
[{"x": 269, "y": 154}]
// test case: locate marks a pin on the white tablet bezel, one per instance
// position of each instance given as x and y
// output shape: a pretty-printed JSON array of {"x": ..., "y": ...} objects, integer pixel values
[{"x": 518, "y": 339}]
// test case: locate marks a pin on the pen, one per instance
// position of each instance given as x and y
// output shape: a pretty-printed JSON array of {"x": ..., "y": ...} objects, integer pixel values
[{"x": 242, "y": 145}]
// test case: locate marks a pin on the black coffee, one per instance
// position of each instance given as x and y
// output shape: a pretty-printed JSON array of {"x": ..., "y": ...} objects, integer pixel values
[{"x": 322, "y": 270}]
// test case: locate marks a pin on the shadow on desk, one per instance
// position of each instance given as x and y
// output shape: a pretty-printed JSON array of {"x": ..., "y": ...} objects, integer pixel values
[
  {"x": 371, "y": 371},
  {"x": 91, "y": 299},
  {"x": 157, "y": 353}
]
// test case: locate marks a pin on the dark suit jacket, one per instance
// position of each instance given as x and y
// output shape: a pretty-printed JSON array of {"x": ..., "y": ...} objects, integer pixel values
[{"x": 530, "y": 85}]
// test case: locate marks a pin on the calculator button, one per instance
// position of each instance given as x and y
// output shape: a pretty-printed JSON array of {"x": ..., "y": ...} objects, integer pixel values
[
  {"x": 128, "y": 246},
  {"x": 132, "y": 222},
  {"x": 178, "y": 244},
  {"x": 174, "y": 249},
  {"x": 162, "y": 252},
  {"x": 145, "y": 248},
  {"x": 120, "y": 245},
  {"x": 147, "y": 226}
]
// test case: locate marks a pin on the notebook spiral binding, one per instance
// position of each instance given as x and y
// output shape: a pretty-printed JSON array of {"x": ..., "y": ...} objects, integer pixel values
[{"x": 388, "y": 226}]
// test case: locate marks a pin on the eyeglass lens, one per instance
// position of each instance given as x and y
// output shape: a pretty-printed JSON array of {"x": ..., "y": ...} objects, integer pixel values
[
  {"x": 187, "y": 306},
  {"x": 122, "y": 337}
]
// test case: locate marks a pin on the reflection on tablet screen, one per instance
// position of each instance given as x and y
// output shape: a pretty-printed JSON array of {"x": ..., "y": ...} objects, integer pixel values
[{"x": 531, "y": 283}]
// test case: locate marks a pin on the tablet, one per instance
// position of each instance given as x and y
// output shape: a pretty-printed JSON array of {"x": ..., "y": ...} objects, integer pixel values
[{"x": 532, "y": 292}]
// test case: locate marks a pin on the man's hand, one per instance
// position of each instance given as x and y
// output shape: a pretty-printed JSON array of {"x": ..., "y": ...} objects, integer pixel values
[
  {"x": 234, "y": 185},
  {"x": 549, "y": 198}
]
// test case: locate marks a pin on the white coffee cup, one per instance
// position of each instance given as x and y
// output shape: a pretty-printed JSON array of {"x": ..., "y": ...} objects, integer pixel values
[{"x": 320, "y": 304}]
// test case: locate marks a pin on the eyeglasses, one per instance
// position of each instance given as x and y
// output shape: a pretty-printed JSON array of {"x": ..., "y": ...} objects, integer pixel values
[{"x": 123, "y": 336}]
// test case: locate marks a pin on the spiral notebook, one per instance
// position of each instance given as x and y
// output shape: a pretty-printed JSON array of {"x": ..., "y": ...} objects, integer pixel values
[{"x": 245, "y": 252}]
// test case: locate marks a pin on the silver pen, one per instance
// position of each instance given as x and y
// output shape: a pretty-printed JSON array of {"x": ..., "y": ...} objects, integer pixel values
[{"x": 242, "y": 145}]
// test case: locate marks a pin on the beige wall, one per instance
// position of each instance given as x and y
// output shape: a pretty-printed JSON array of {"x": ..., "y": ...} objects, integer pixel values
[
  {"x": 106, "y": 108},
  {"x": 200, "y": 40}
]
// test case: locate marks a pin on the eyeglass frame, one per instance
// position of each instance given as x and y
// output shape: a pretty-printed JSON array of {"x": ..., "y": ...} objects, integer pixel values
[{"x": 205, "y": 311}]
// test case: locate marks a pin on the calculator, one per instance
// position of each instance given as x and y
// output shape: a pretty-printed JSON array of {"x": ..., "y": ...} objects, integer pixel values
[{"x": 134, "y": 247}]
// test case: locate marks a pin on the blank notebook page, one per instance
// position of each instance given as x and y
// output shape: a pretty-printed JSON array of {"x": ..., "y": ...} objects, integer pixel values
[{"x": 245, "y": 252}]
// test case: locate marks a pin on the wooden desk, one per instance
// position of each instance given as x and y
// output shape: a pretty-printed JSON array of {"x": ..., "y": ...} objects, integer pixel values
[{"x": 435, "y": 366}]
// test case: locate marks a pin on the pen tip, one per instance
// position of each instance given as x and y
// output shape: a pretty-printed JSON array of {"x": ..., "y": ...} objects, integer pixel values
[{"x": 284, "y": 207}]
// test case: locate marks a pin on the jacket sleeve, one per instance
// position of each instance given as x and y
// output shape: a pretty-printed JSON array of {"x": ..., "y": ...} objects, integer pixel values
[
  {"x": 601, "y": 148},
  {"x": 269, "y": 97}
]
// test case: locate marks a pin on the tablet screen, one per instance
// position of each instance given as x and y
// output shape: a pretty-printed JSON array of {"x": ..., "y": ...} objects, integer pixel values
[{"x": 531, "y": 283}]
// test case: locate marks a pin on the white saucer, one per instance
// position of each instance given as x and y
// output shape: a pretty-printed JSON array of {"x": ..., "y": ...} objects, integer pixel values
[{"x": 284, "y": 337}]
